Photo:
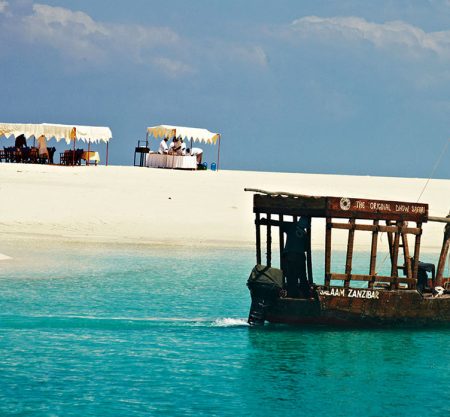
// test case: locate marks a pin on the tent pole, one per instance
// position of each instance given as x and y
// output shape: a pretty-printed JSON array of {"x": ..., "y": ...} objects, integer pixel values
[
  {"x": 73, "y": 155},
  {"x": 89, "y": 153},
  {"x": 146, "y": 156},
  {"x": 107, "y": 150},
  {"x": 218, "y": 155},
  {"x": 174, "y": 136}
]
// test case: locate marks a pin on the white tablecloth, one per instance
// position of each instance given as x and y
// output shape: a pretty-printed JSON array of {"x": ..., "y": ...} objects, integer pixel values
[
  {"x": 155, "y": 160},
  {"x": 92, "y": 155}
]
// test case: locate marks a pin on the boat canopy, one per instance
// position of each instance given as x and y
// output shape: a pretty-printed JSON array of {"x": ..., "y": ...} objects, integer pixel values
[
  {"x": 57, "y": 131},
  {"x": 340, "y": 207},
  {"x": 186, "y": 133}
]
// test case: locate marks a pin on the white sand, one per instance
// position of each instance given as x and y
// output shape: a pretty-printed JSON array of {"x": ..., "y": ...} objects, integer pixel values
[{"x": 142, "y": 205}]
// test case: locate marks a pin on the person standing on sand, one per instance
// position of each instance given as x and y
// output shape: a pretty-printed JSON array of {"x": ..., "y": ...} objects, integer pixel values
[
  {"x": 21, "y": 142},
  {"x": 163, "y": 148},
  {"x": 42, "y": 147},
  {"x": 293, "y": 259},
  {"x": 198, "y": 153},
  {"x": 174, "y": 148},
  {"x": 183, "y": 147}
]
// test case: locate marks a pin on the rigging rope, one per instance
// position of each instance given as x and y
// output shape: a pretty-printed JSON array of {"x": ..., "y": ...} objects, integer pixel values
[
  {"x": 438, "y": 161},
  {"x": 436, "y": 165}
]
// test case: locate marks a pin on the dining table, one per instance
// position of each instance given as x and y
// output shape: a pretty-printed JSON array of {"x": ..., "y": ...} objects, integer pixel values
[{"x": 156, "y": 160}]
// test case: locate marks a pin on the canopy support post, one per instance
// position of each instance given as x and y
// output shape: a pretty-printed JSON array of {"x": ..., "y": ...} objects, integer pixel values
[
  {"x": 281, "y": 238},
  {"x": 373, "y": 254},
  {"x": 417, "y": 253},
  {"x": 258, "y": 238},
  {"x": 89, "y": 153},
  {"x": 218, "y": 155},
  {"x": 406, "y": 256},
  {"x": 443, "y": 255},
  {"x": 107, "y": 151},
  {"x": 349, "y": 257},
  {"x": 395, "y": 250},
  {"x": 328, "y": 252},
  {"x": 73, "y": 155},
  {"x": 309, "y": 255},
  {"x": 269, "y": 242}
]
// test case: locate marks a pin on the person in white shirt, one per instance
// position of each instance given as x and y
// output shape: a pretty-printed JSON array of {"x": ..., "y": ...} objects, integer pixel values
[
  {"x": 163, "y": 148},
  {"x": 175, "y": 147},
  {"x": 198, "y": 152},
  {"x": 42, "y": 146},
  {"x": 183, "y": 147}
]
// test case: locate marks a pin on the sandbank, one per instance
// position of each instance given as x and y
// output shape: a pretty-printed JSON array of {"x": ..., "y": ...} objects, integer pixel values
[{"x": 133, "y": 205}]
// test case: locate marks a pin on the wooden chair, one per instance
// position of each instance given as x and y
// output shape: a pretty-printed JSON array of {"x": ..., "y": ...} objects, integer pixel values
[
  {"x": 68, "y": 158},
  {"x": 34, "y": 155},
  {"x": 24, "y": 155},
  {"x": 43, "y": 159},
  {"x": 62, "y": 158},
  {"x": 78, "y": 154},
  {"x": 10, "y": 154},
  {"x": 51, "y": 152}
]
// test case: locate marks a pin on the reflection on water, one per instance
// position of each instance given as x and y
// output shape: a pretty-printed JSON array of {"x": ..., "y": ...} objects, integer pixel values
[{"x": 350, "y": 371}]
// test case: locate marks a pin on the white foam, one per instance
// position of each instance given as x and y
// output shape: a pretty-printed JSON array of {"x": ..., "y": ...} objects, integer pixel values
[
  {"x": 229, "y": 322},
  {"x": 4, "y": 257}
]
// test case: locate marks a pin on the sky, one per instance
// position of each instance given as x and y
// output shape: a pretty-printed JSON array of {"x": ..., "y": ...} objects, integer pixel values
[{"x": 336, "y": 87}]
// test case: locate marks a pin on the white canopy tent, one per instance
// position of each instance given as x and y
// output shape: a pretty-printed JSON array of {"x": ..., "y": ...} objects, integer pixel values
[
  {"x": 90, "y": 134},
  {"x": 186, "y": 133},
  {"x": 190, "y": 133}
]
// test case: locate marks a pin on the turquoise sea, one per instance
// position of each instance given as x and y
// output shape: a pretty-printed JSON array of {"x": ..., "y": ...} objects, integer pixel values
[{"x": 107, "y": 330}]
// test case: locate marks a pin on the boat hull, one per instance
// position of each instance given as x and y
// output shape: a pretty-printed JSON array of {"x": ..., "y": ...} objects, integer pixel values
[{"x": 349, "y": 307}]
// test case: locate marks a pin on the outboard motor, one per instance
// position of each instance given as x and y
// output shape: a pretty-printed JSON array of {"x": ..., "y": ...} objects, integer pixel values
[{"x": 265, "y": 284}]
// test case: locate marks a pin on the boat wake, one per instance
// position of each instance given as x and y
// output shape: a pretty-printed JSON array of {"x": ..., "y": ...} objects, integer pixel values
[
  {"x": 229, "y": 322},
  {"x": 112, "y": 323}
]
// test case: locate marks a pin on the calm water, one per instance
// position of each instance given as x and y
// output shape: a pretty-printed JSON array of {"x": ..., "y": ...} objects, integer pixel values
[{"x": 101, "y": 331}]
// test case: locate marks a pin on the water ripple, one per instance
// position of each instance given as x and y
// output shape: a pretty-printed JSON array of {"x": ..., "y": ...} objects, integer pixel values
[{"x": 106, "y": 323}]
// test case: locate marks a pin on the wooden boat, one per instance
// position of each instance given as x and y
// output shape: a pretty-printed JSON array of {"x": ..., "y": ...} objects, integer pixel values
[{"x": 289, "y": 294}]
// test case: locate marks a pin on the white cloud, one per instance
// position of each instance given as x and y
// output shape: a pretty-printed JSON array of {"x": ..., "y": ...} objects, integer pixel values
[
  {"x": 222, "y": 54},
  {"x": 251, "y": 54},
  {"x": 56, "y": 18},
  {"x": 172, "y": 68},
  {"x": 381, "y": 35},
  {"x": 3, "y": 6},
  {"x": 79, "y": 36}
]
